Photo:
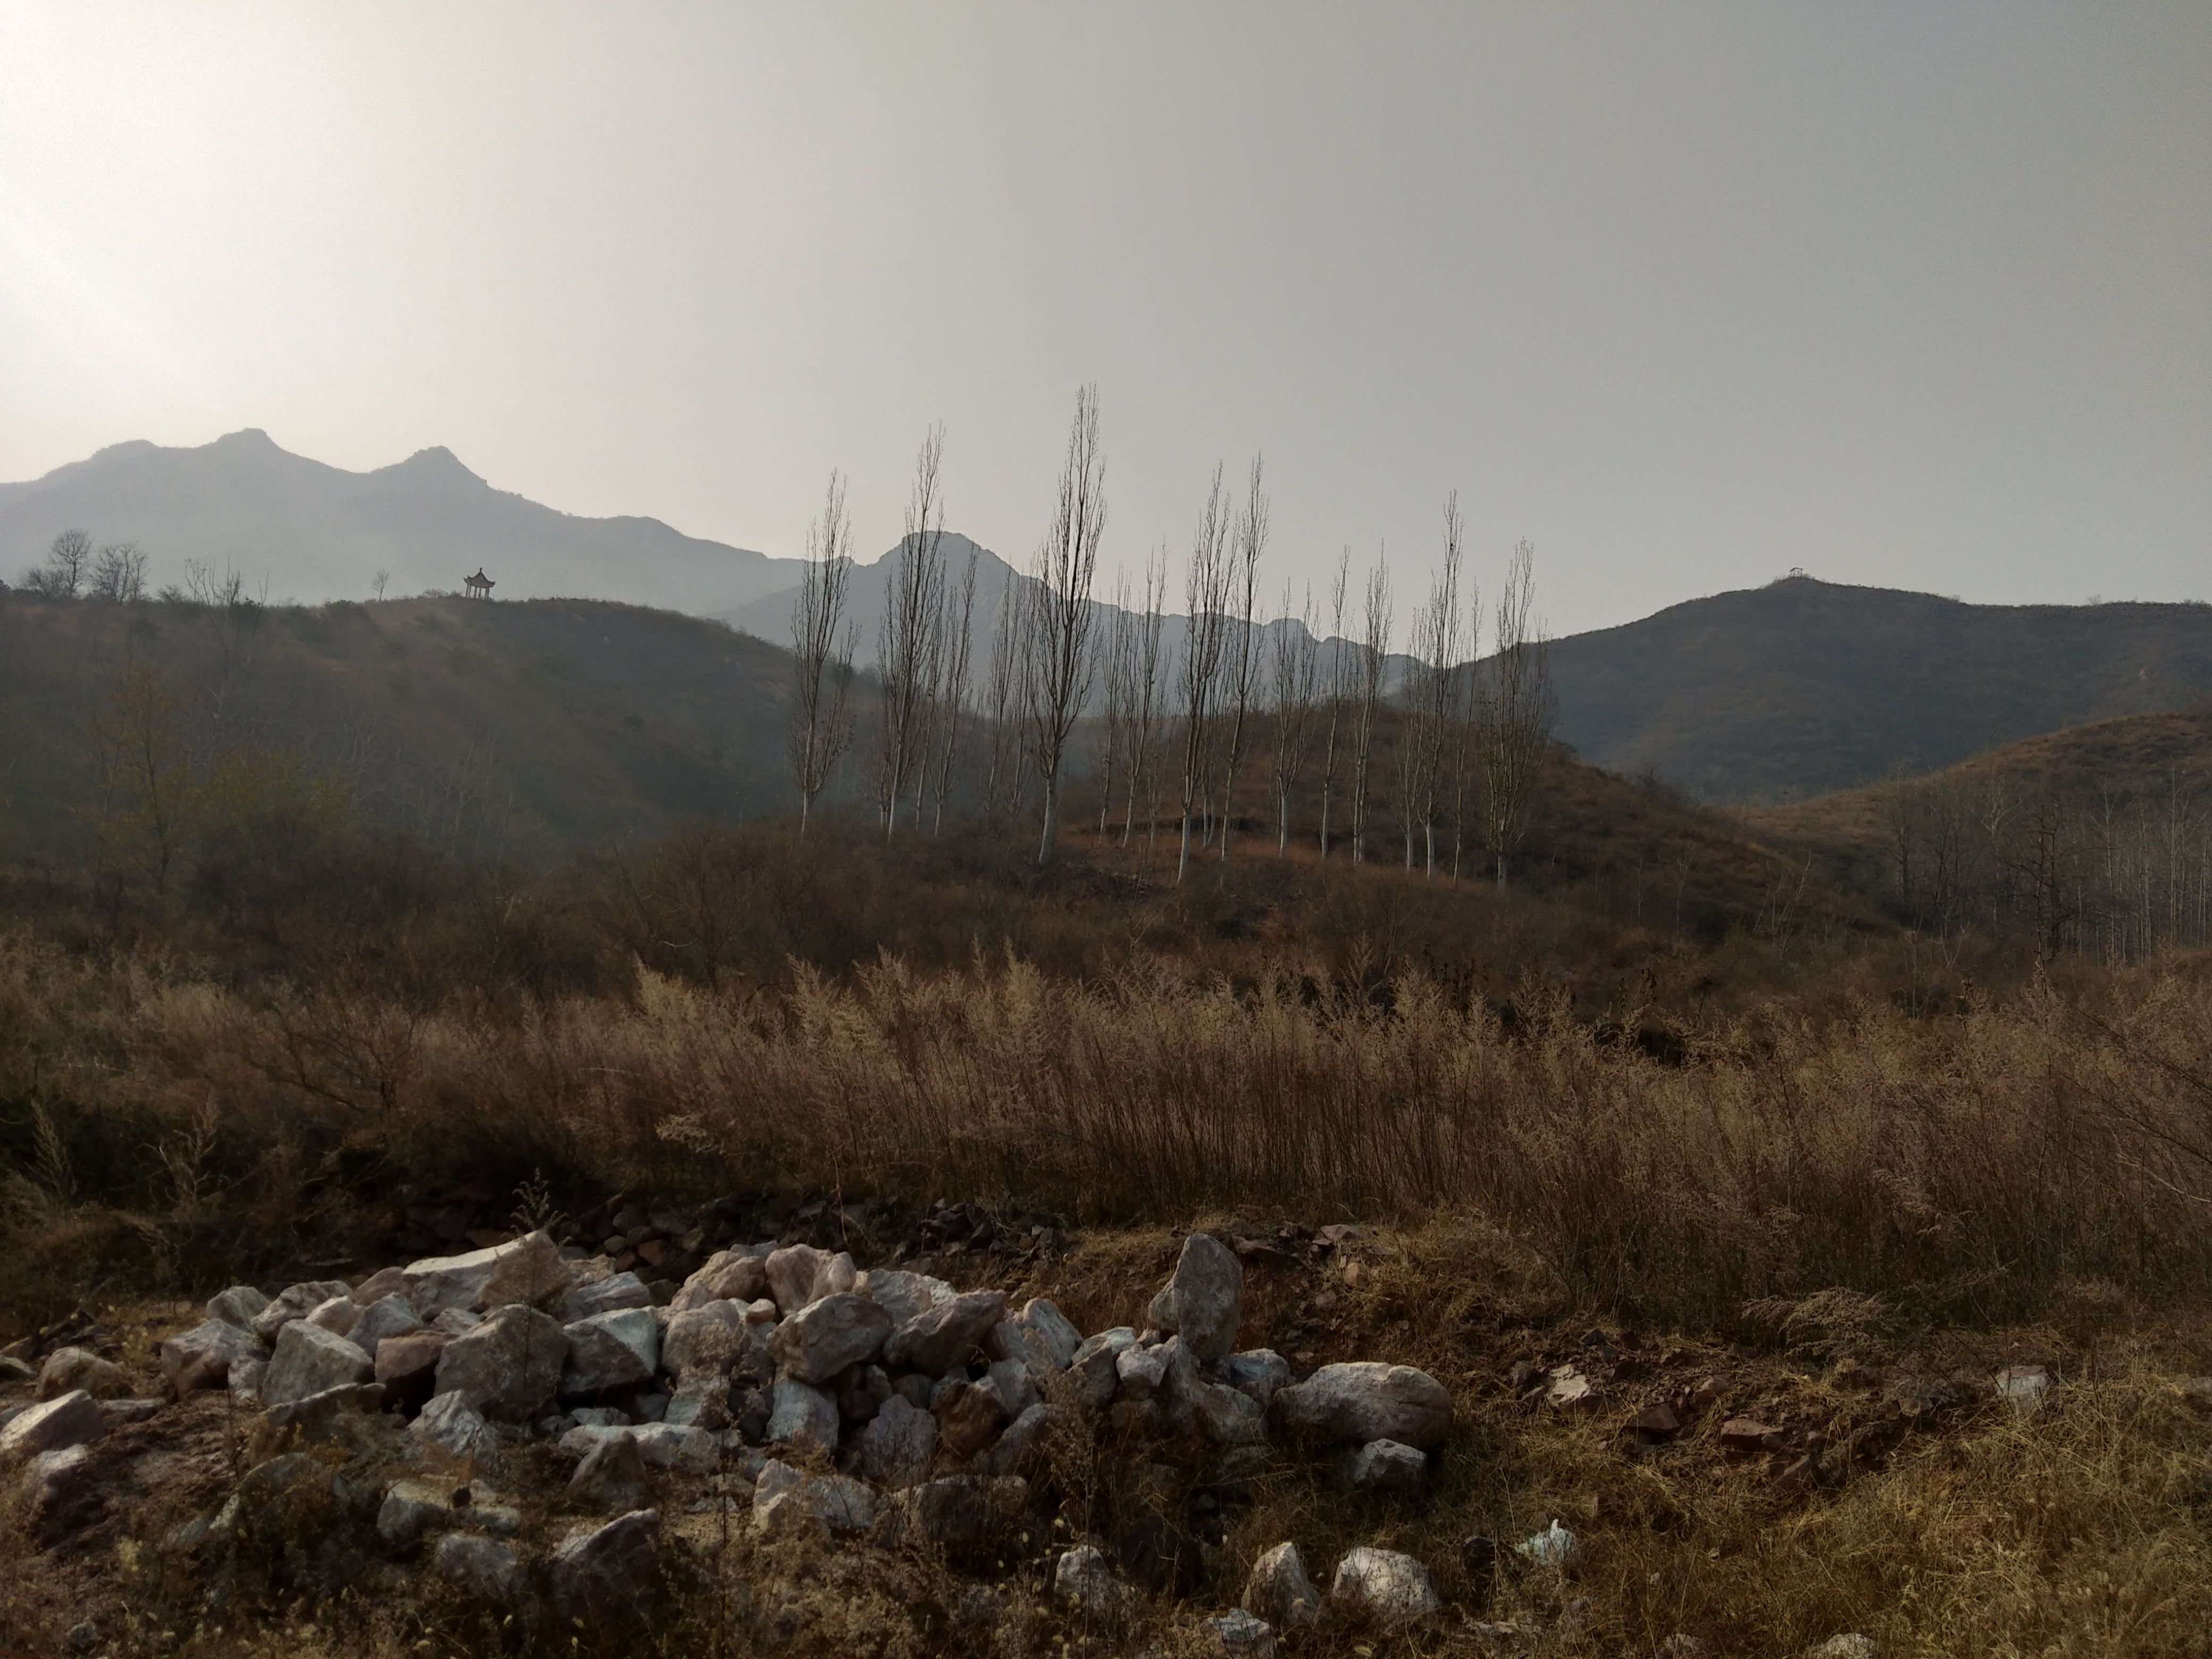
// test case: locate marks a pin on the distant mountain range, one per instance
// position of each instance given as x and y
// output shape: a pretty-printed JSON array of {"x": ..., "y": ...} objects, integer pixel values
[
  {"x": 314, "y": 532},
  {"x": 1760, "y": 696}
]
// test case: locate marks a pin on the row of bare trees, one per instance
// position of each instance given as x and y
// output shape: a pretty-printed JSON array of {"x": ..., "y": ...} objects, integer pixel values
[
  {"x": 115, "y": 574},
  {"x": 1043, "y": 660},
  {"x": 2116, "y": 873},
  {"x": 1181, "y": 713}
]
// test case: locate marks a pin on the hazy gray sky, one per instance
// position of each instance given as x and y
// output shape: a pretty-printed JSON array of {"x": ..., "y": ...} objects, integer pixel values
[{"x": 1916, "y": 295}]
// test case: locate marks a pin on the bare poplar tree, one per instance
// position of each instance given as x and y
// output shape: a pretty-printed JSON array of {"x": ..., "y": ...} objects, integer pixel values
[
  {"x": 908, "y": 637},
  {"x": 1009, "y": 650},
  {"x": 1120, "y": 669},
  {"x": 1431, "y": 690},
  {"x": 1295, "y": 652},
  {"x": 953, "y": 698},
  {"x": 1206, "y": 590},
  {"x": 1374, "y": 656},
  {"x": 1244, "y": 650},
  {"x": 1337, "y": 679},
  {"x": 822, "y": 640},
  {"x": 1061, "y": 634},
  {"x": 1515, "y": 724},
  {"x": 1143, "y": 716}
]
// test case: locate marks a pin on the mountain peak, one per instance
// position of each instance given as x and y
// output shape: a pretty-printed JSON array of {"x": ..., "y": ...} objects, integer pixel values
[
  {"x": 249, "y": 437},
  {"x": 436, "y": 462}
]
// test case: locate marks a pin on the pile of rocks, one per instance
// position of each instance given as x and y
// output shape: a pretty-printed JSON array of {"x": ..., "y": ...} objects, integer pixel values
[{"x": 826, "y": 1401}]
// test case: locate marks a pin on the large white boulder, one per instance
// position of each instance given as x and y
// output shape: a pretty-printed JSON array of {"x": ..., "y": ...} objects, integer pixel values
[
  {"x": 610, "y": 1352},
  {"x": 202, "y": 1357},
  {"x": 1364, "y": 1400},
  {"x": 508, "y": 1367},
  {"x": 309, "y": 1359},
  {"x": 1278, "y": 1591},
  {"x": 800, "y": 1414},
  {"x": 74, "y": 1420},
  {"x": 1384, "y": 1585},
  {"x": 1203, "y": 1302},
  {"x": 825, "y": 1336},
  {"x": 295, "y": 1302},
  {"x": 897, "y": 1443},
  {"x": 934, "y": 1341}
]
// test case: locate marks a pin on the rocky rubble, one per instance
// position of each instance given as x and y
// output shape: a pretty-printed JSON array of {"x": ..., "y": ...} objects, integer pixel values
[{"x": 871, "y": 1409}]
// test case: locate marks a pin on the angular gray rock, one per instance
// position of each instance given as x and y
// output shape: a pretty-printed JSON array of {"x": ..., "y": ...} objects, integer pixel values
[
  {"x": 1084, "y": 1577},
  {"x": 707, "y": 1338},
  {"x": 611, "y": 1477},
  {"x": 1278, "y": 1590},
  {"x": 508, "y": 1367},
  {"x": 905, "y": 1294},
  {"x": 74, "y": 1420},
  {"x": 1020, "y": 1447},
  {"x": 385, "y": 1281},
  {"x": 296, "y": 1302},
  {"x": 408, "y": 1364},
  {"x": 411, "y": 1508},
  {"x": 1365, "y": 1401},
  {"x": 1258, "y": 1373},
  {"x": 437, "y": 1283},
  {"x": 309, "y": 1359},
  {"x": 1143, "y": 1372},
  {"x": 935, "y": 1341},
  {"x": 482, "y": 1567},
  {"x": 456, "y": 1427},
  {"x": 245, "y": 1380},
  {"x": 321, "y": 1417},
  {"x": 1017, "y": 1387},
  {"x": 896, "y": 1445},
  {"x": 609, "y": 1294},
  {"x": 59, "y": 1491},
  {"x": 1095, "y": 1369},
  {"x": 968, "y": 1416},
  {"x": 801, "y": 1414},
  {"x": 1220, "y": 1413},
  {"x": 1384, "y": 1585},
  {"x": 237, "y": 1306},
  {"x": 70, "y": 1369},
  {"x": 738, "y": 1276},
  {"x": 786, "y": 1501},
  {"x": 862, "y": 1391},
  {"x": 338, "y": 1316},
  {"x": 1203, "y": 1301},
  {"x": 390, "y": 1315},
  {"x": 607, "y": 1576},
  {"x": 1238, "y": 1635},
  {"x": 609, "y": 1351},
  {"x": 799, "y": 1273},
  {"x": 530, "y": 1271},
  {"x": 1049, "y": 1332},
  {"x": 825, "y": 1336},
  {"x": 1385, "y": 1466}
]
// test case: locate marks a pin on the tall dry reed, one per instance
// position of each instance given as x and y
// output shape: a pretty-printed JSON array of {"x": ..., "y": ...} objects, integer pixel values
[{"x": 1955, "y": 1167}]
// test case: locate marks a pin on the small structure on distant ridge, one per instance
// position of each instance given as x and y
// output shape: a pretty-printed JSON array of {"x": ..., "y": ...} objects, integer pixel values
[{"x": 477, "y": 586}]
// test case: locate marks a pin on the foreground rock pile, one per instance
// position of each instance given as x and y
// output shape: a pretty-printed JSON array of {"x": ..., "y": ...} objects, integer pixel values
[{"x": 816, "y": 1400}]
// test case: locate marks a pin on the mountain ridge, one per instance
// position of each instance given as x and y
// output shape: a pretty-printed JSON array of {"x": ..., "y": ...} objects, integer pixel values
[{"x": 314, "y": 532}]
